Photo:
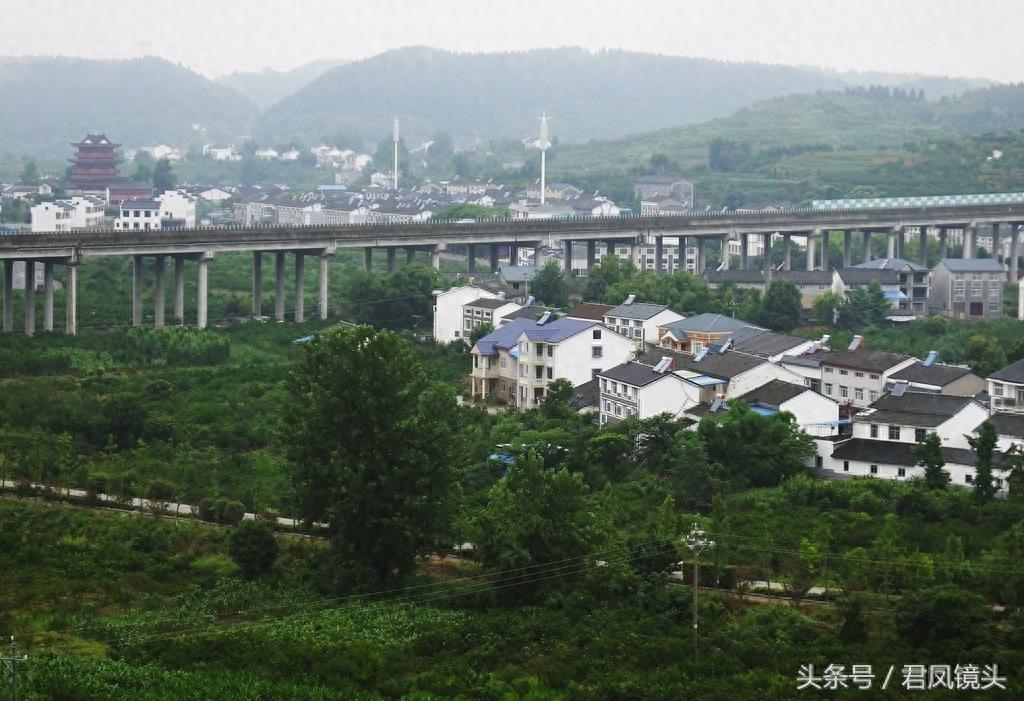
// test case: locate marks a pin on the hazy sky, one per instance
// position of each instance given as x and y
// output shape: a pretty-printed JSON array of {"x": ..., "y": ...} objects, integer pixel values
[{"x": 975, "y": 38}]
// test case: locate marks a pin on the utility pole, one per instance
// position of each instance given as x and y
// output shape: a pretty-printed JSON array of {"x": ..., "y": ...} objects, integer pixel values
[
  {"x": 11, "y": 663},
  {"x": 697, "y": 543}
]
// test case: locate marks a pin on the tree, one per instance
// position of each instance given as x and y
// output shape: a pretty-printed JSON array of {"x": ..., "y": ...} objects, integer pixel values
[
  {"x": 163, "y": 176},
  {"x": 984, "y": 354},
  {"x": 548, "y": 285},
  {"x": 780, "y": 309},
  {"x": 864, "y": 306},
  {"x": 253, "y": 548},
  {"x": 984, "y": 446},
  {"x": 373, "y": 447},
  {"x": 929, "y": 456},
  {"x": 533, "y": 515},
  {"x": 612, "y": 270},
  {"x": 30, "y": 174},
  {"x": 946, "y": 620},
  {"x": 479, "y": 332},
  {"x": 825, "y": 307}
]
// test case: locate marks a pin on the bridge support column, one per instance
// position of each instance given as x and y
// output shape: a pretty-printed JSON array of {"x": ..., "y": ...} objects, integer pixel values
[
  {"x": 700, "y": 256},
  {"x": 825, "y": 250},
  {"x": 203, "y": 288},
  {"x": 136, "y": 290},
  {"x": 866, "y": 245},
  {"x": 659, "y": 255},
  {"x": 257, "y": 284},
  {"x": 787, "y": 253},
  {"x": 279, "y": 262},
  {"x": 47, "y": 296},
  {"x": 494, "y": 258},
  {"x": 997, "y": 241},
  {"x": 726, "y": 252},
  {"x": 1014, "y": 235},
  {"x": 391, "y": 253},
  {"x": 766, "y": 258},
  {"x": 470, "y": 257},
  {"x": 435, "y": 257},
  {"x": 810, "y": 249},
  {"x": 943, "y": 242},
  {"x": 8, "y": 296},
  {"x": 71, "y": 299},
  {"x": 609, "y": 247},
  {"x": 30, "y": 298},
  {"x": 538, "y": 255},
  {"x": 179, "y": 289},
  {"x": 410, "y": 255},
  {"x": 591, "y": 255},
  {"x": 901, "y": 243},
  {"x": 367, "y": 258},
  {"x": 158, "y": 292},
  {"x": 847, "y": 248},
  {"x": 513, "y": 254},
  {"x": 922, "y": 246},
  {"x": 744, "y": 251},
  {"x": 323, "y": 275},
  {"x": 970, "y": 241},
  {"x": 567, "y": 244},
  {"x": 300, "y": 286},
  {"x": 890, "y": 251}
]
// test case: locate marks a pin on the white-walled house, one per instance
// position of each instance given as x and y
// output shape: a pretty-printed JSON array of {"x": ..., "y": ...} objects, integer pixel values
[
  {"x": 941, "y": 379},
  {"x": 448, "y": 313},
  {"x": 639, "y": 320},
  {"x": 485, "y": 310},
  {"x": 517, "y": 361},
  {"x": 884, "y": 436},
  {"x": 52, "y": 216},
  {"x": 139, "y": 214},
  {"x": 856, "y": 377},
  {"x": 815, "y": 413},
  {"x": 637, "y": 389},
  {"x": 177, "y": 209}
]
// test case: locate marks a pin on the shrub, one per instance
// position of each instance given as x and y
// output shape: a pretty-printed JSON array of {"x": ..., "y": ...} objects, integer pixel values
[
  {"x": 253, "y": 548},
  {"x": 232, "y": 512}
]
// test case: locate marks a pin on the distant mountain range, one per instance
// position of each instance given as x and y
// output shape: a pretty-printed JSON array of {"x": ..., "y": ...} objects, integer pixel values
[
  {"x": 266, "y": 87},
  {"x": 50, "y": 101}
]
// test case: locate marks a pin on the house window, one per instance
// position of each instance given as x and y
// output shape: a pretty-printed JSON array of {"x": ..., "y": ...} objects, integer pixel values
[
  {"x": 697, "y": 347},
  {"x": 637, "y": 323},
  {"x": 846, "y": 465},
  {"x": 874, "y": 376},
  {"x": 540, "y": 350},
  {"x": 858, "y": 374},
  {"x": 894, "y": 432},
  {"x": 596, "y": 352},
  {"x": 818, "y": 462},
  {"x": 597, "y": 334},
  {"x": 604, "y": 384},
  {"x": 858, "y": 394},
  {"x": 874, "y": 430},
  {"x": 829, "y": 370},
  {"x": 874, "y": 469},
  {"x": 607, "y": 405},
  {"x": 828, "y": 388},
  {"x": 539, "y": 372},
  {"x": 901, "y": 472},
  {"x": 844, "y": 391},
  {"x": 618, "y": 409},
  {"x": 551, "y": 351},
  {"x": 844, "y": 372},
  {"x": 873, "y": 396},
  {"x": 969, "y": 479},
  {"x": 976, "y": 288},
  {"x": 920, "y": 434},
  {"x": 997, "y": 389},
  {"x": 551, "y": 373}
]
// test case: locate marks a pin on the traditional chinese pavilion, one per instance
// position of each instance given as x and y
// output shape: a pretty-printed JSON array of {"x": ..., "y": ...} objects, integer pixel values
[{"x": 94, "y": 169}]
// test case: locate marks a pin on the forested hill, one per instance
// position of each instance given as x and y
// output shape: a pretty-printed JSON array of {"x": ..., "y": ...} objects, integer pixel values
[
  {"x": 266, "y": 87},
  {"x": 49, "y": 101},
  {"x": 592, "y": 95},
  {"x": 857, "y": 118}
]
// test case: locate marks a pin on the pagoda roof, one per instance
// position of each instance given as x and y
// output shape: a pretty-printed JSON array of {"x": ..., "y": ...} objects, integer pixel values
[{"x": 99, "y": 140}]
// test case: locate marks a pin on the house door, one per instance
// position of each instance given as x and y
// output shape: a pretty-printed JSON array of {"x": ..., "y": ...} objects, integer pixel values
[{"x": 977, "y": 309}]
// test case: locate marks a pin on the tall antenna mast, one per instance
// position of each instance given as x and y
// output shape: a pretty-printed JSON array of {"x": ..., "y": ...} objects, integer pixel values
[
  {"x": 394, "y": 174},
  {"x": 543, "y": 144}
]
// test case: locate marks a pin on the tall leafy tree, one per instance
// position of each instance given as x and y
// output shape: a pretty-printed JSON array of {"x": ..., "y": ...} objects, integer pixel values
[
  {"x": 163, "y": 176},
  {"x": 373, "y": 447},
  {"x": 929, "y": 456},
  {"x": 780, "y": 309},
  {"x": 549, "y": 286},
  {"x": 825, "y": 306},
  {"x": 30, "y": 174},
  {"x": 984, "y": 445}
]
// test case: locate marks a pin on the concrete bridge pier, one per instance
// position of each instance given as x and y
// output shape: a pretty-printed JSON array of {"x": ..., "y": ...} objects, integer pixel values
[
  {"x": 323, "y": 275},
  {"x": 47, "y": 296},
  {"x": 203, "y": 290},
  {"x": 367, "y": 258},
  {"x": 943, "y": 241},
  {"x": 890, "y": 251},
  {"x": 847, "y": 248},
  {"x": 257, "y": 284},
  {"x": 997, "y": 241},
  {"x": 866, "y": 245},
  {"x": 970, "y": 241},
  {"x": 825, "y": 249},
  {"x": 744, "y": 251},
  {"x": 71, "y": 298},
  {"x": 567, "y": 246},
  {"x": 766, "y": 246},
  {"x": 410, "y": 255},
  {"x": 810, "y": 248},
  {"x": 513, "y": 254},
  {"x": 30, "y": 298},
  {"x": 158, "y": 292},
  {"x": 136, "y": 290},
  {"x": 659, "y": 255},
  {"x": 538, "y": 254},
  {"x": 391, "y": 260},
  {"x": 726, "y": 253},
  {"x": 435, "y": 257},
  {"x": 279, "y": 285},
  {"x": 470, "y": 257},
  {"x": 609, "y": 247},
  {"x": 922, "y": 246},
  {"x": 494, "y": 258},
  {"x": 1014, "y": 236},
  {"x": 700, "y": 256},
  {"x": 179, "y": 289},
  {"x": 591, "y": 255},
  {"x": 300, "y": 285},
  {"x": 787, "y": 253},
  {"x": 8, "y": 296},
  {"x": 901, "y": 243}
]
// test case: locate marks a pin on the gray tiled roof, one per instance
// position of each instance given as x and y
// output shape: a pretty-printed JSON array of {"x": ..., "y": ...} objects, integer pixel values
[
  {"x": 1007, "y": 424},
  {"x": 1014, "y": 372},
  {"x": 590, "y": 310},
  {"x": 893, "y": 264},
  {"x": 764, "y": 343},
  {"x": 865, "y": 276},
  {"x": 747, "y": 277},
  {"x": 773, "y": 394},
  {"x": 939, "y": 375},
  {"x": 972, "y": 265},
  {"x": 920, "y": 409},
  {"x": 586, "y": 395},
  {"x": 707, "y": 323},
  {"x": 634, "y": 373},
  {"x": 487, "y": 303},
  {"x": 722, "y": 365},
  {"x": 805, "y": 277},
  {"x": 636, "y": 310},
  {"x": 898, "y": 453},
  {"x": 860, "y": 359}
]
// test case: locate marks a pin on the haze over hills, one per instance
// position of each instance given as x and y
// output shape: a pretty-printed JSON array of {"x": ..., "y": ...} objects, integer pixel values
[
  {"x": 592, "y": 95},
  {"x": 266, "y": 87},
  {"x": 49, "y": 101}
]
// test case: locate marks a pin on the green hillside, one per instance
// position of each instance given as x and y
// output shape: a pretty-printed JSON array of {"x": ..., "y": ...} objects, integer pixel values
[{"x": 268, "y": 86}]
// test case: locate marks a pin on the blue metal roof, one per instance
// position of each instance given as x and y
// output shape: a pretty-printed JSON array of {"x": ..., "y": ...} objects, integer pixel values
[
  {"x": 894, "y": 294},
  {"x": 705, "y": 380},
  {"x": 763, "y": 410},
  {"x": 507, "y": 337}
]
